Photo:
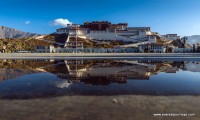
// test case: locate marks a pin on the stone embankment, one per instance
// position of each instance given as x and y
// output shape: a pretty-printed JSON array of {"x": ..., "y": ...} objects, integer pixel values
[{"x": 105, "y": 55}]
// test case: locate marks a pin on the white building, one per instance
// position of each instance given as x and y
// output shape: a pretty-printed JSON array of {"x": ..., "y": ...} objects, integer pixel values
[
  {"x": 152, "y": 38},
  {"x": 182, "y": 50},
  {"x": 172, "y": 36},
  {"x": 152, "y": 48},
  {"x": 107, "y": 31},
  {"x": 140, "y": 37},
  {"x": 44, "y": 49}
]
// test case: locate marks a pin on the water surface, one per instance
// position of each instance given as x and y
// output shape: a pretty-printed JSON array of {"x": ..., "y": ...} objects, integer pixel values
[{"x": 25, "y": 79}]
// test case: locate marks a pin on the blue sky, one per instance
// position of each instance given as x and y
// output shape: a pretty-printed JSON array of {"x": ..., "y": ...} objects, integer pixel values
[{"x": 163, "y": 16}]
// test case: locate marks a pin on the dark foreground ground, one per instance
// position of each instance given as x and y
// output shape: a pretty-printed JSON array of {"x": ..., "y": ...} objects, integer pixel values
[{"x": 130, "y": 107}]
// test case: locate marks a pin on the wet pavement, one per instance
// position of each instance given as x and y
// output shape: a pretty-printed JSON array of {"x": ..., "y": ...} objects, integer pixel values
[{"x": 131, "y": 107}]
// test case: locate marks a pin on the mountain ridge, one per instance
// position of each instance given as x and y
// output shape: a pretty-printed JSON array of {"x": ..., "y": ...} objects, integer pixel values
[
  {"x": 7, "y": 32},
  {"x": 193, "y": 39}
]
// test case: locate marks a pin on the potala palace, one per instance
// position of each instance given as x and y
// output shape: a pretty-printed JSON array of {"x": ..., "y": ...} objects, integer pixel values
[{"x": 104, "y": 33}]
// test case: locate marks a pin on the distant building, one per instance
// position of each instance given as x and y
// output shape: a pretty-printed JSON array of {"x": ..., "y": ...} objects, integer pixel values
[
  {"x": 74, "y": 44},
  {"x": 172, "y": 36},
  {"x": 152, "y": 48},
  {"x": 187, "y": 49},
  {"x": 44, "y": 49}
]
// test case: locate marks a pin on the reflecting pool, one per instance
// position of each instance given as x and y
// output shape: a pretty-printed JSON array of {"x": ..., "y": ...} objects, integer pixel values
[{"x": 26, "y": 79}]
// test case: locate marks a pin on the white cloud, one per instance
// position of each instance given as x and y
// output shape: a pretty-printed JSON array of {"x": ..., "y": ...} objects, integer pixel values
[
  {"x": 61, "y": 22},
  {"x": 27, "y": 22}
]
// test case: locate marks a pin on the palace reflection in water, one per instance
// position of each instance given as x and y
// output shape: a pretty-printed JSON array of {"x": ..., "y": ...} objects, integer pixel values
[{"x": 84, "y": 76}]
